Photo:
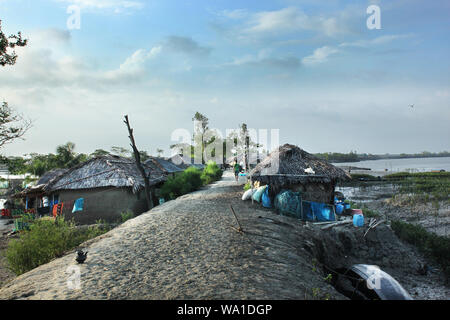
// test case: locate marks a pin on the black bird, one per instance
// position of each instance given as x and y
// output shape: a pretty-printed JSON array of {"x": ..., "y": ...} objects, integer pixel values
[
  {"x": 423, "y": 270},
  {"x": 411, "y": 106},
  {"x": 81, "y": 256}
]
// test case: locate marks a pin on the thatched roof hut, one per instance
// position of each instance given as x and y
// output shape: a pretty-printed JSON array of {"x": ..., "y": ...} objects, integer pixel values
[
  {"x": 165, "y": 165},
  {"x": 285, "y": 168},
  {"x": 183, "y": 163},
  {"x": 50, "y": 175},
  {"x": 106, "y": 171},
  {"x": 45, "y": 179}
]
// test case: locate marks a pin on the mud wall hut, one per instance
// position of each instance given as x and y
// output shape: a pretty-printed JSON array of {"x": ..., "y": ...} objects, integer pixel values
[
  {"x": 290, "y": 167},
  {"x": 109, "y": 186}
]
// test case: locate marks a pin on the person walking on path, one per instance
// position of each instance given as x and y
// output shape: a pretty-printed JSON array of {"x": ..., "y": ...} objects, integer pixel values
[{"x": 237, "y": 169}]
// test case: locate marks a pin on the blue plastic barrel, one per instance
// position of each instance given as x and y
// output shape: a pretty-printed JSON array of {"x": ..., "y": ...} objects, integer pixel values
[
  {"x": 339, "y": 208},
  {"x": 358, "y": 220}
]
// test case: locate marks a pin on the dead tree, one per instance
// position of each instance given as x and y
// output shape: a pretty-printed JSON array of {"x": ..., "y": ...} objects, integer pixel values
[{"x": 137, "y": 157}]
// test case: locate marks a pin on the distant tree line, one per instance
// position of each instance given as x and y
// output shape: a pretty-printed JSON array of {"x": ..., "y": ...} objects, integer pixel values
[
  {"x": 64, "y": 158},
  {"x": 352, "y": 156}
]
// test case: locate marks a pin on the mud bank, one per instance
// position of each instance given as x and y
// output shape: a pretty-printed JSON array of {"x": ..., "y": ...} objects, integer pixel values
[{"x": 187, "y": 249}]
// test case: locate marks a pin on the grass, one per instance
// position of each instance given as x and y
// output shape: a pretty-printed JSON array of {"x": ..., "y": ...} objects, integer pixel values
[
  {"x": 430, "y": 244},
  {"x": 47, "y": 239}
]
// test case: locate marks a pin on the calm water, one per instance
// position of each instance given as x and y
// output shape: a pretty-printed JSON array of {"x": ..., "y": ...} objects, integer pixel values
[{"x": 412, "y": 165}]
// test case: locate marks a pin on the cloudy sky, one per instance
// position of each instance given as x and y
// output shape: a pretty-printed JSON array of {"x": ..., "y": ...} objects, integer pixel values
[{"x": 311, "y": 69}]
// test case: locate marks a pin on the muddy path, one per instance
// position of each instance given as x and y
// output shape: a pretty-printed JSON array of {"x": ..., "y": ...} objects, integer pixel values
[{"x": 188, "y": 249}]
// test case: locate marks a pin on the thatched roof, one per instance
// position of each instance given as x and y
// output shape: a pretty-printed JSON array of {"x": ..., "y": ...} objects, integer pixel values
[
  {"x": 292, "y": 163},
  {"x": 165, "y": 165},
  {"x": 106, "y": 171},
  {"x": 180, "y": 162},
  {"x": 50, "y": 175}
]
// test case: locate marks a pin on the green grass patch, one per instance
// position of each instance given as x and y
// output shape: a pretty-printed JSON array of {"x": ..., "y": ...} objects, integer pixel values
[
  {"x": 422, "y": 186},
  {"x": 47, "y": 239},
  {"x": 430, "y": 244},
  {"x": 358, "y": 176}
]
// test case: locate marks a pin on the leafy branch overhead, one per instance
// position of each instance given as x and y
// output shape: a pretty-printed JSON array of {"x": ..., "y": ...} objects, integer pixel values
[
  {"x": 7, "y": 43},
  {"x": 12, "y": 125}
]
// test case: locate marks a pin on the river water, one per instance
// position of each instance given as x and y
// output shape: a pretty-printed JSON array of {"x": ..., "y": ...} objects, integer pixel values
[{"x": 396, "y": 165}]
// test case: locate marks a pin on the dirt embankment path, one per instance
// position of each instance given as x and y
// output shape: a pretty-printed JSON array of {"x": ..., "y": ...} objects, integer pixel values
[{"x": 186, "y": 249}]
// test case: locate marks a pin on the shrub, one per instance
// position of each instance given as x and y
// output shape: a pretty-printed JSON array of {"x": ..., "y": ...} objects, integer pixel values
[
  {"x": 430, "y": 244},
  {"x": 126, "y": 216},
  {"x": 211, "y": 173},
  {"x": 188, "y": 181},
  {"x": 47, "y": 239},
  {"x": 192, "y": 176}
]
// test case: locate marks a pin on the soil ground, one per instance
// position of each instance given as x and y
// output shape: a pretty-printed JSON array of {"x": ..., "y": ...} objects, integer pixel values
[{"x": 189, "y": 248}]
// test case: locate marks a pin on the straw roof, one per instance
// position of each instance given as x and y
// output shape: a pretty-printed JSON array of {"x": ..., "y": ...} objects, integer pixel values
[
  {"x": 292, "y": 163},
  {"x": 50, "y": 175},
  {"x": 180, "y": 162},
  {"x": 165, "y": 165},
  {"x": 106, "y": 171}
]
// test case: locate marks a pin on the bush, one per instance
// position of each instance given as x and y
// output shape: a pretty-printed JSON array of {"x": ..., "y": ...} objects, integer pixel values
[
  {"x": 211, "y": 173},
  {"x": 192, "y": 176},
  {"x": 47, "y": 239},
  {"x": 430, "y": 244},
  {"x": 126, "y": 216},
  {"x": 189, "y": 180}
]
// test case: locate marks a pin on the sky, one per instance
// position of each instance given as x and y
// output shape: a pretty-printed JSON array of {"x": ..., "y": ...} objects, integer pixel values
[{"x": 311, "y": 69}]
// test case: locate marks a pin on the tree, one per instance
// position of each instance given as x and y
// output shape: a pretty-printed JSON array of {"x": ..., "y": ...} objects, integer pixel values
[
  {"x": 159, "y": 152},
  {"x": 7, "y": 43},
  {"x": 12, "y": 125},
  {"x": 200, "y": 128},
  {"x": 137, "y": 158},
  {"x": 99, "y": 153},
  {"x": 122, "y": 152},
  {"x": 243, "y": 144}
]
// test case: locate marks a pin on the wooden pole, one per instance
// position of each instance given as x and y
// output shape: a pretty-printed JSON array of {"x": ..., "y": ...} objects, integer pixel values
[{"x": 137, "y": 158}]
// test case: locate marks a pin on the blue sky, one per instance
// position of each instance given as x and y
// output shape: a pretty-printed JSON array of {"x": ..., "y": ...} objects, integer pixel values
[{"x": 309, "y": 68}]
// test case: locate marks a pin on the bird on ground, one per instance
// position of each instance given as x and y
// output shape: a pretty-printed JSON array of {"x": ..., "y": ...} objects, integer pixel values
[{"x": 81, "y": 256}]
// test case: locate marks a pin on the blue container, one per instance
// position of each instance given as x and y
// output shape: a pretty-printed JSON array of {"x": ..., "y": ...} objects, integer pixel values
[
  {"x": 339, "y": 208},
  {"x": 346, "y": 206},
  {"x": 358, "y": 220}
]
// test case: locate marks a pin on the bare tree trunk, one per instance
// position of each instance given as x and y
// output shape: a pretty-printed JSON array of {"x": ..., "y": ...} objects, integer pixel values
[{"x": 137, "y": 157}]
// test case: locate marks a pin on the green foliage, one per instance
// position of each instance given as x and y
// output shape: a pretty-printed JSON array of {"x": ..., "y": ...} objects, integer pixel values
[
  {"x": 432, "y": 245},
  {"x": 423, "y": 186},
  {"x": 247, "y": 186},
  {"x": 124, "y": 216},
  {"x": 47, "y": 239},
  {"x": 190, "y": 180},
  {"x": 358, "y": 176},
  {"x": 211, "y": 173}
]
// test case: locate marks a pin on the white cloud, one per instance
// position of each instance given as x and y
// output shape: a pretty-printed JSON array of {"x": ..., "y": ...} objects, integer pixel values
[
  {"x": 116, "y": 5},
  {"x": 320, "y": 55},
  {"x": 234, "y": 14},
  {"x": 376, "y": 41},
  {"x": 292, "y": 19}
]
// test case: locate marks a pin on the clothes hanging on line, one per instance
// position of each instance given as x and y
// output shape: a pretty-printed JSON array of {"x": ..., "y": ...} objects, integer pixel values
[{"x": 78, "y": 205}]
